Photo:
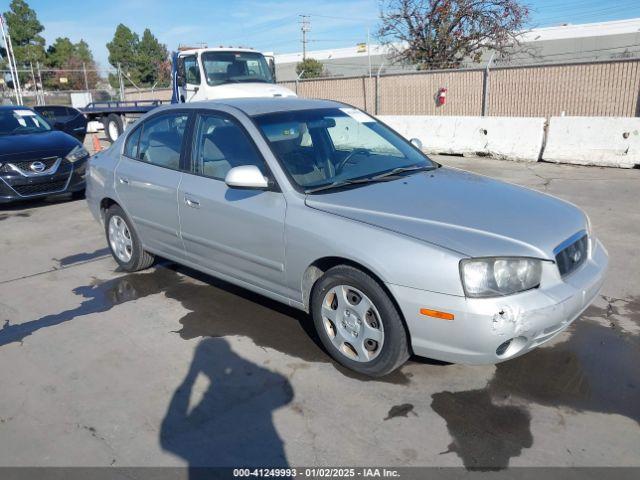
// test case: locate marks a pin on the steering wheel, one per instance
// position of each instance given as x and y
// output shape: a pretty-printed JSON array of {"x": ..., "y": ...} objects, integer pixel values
[{"x": 354, "y": 152}]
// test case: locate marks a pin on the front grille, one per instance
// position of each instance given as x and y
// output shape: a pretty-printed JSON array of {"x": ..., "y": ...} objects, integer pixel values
[
  {"x": 570, "y": 257},
  {"x": 25, "y": 165},
  {"x": 40, "y": 188}
]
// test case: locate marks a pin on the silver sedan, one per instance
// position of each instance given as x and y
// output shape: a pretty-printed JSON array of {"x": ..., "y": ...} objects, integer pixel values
[{"x": 322, "y": 207}]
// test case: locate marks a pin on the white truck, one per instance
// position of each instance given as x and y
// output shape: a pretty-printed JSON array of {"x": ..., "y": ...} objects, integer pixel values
[{"x": 198, "y": 74}]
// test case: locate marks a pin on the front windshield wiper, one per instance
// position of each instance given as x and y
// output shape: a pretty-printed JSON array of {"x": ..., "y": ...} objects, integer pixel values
[{"x": 381, "y": 177}]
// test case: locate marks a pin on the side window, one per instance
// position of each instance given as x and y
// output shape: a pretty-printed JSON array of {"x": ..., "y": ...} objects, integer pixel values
[
  {"x": 161, "y": 140},
  {"x": 219, "y": 145},
  {"x": 131, "y": 147},
  {"x": 192, "y": 71}
]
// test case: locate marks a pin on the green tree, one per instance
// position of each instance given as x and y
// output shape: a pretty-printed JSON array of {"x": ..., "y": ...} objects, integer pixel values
[
  {"x": 143, "y": 60},
  {"x": 74, "y": 58},
  {"x": 123, "y": 51},
  {"x": 25, "y": 29},
  {"x": 151, "y": 56},
  {"x": 310, "y": 68}
]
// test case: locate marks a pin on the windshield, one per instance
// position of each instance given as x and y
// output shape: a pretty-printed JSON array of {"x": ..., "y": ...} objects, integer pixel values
[
  {"x": 21, "y": 121},
  {"x": 334, "y": 146},
  {"x": 233, "y": 67}
]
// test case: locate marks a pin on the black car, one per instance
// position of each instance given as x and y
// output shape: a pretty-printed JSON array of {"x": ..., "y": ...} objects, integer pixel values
[
  {"x": 35, "y": 159},
  {"x": 67, "y": 119}
]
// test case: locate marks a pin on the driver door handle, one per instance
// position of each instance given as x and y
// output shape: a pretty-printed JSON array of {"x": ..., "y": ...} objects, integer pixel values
[
  {"x": 191, "y": 202},
  {"x": 123, "y": 180}
]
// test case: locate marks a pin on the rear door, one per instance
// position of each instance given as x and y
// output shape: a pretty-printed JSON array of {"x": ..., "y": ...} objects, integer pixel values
[
  {"x": 147, "y": 180},
  {"x": 235, "y": 232}
]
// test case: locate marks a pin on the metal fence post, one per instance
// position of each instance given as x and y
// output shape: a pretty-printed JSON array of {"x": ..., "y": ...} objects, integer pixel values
[
  {"x": 485, "y": 87},
  {"x": 86, "y": 80}
]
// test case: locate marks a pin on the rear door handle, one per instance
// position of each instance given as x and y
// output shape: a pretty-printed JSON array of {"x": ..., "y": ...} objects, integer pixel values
[
  {"x": 123, "y": 180},
  {"x": 191, "y": 202}
]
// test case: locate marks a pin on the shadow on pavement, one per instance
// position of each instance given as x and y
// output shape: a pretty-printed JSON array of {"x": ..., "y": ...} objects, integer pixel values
[{"x": 232, "y": 422}]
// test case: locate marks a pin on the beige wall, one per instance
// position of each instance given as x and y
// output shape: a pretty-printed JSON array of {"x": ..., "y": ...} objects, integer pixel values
[{"x": 587, "y": 89}]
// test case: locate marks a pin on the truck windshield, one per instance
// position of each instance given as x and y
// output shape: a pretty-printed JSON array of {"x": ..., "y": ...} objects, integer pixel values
[
  {"x": 235, "y": 67},
  {"x": 21, "y": 121}
]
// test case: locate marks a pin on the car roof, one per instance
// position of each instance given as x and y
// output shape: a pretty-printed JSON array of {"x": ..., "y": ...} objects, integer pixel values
[
  {"x": 14, "y": 107},
  {"x": 261, "y": 106}
]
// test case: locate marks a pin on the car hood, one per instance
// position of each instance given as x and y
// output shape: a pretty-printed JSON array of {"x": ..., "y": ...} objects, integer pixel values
[
  {"x": 252, "y": 90},
  {"x": 17, "y": 147},
  {"x": 471, "y": 214}
]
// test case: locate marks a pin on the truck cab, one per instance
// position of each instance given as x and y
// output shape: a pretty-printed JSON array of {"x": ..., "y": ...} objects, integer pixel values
[{"x": 216, "y": 73}]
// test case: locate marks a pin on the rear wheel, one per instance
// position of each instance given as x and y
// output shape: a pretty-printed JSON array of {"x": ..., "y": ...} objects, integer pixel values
[
  {"x": 113, "y": 127},
  {"x": 124, "y": 242},
  {"x": 358, "y": 322}
]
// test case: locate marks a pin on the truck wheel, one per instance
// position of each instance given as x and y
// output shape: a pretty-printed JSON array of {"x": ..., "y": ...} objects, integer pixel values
[{"x": 113, "y": 127}]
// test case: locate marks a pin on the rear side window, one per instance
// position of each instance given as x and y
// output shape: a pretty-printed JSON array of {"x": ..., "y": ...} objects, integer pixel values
[
  {"x": 219, "y": 145},
  {"x": 131, "y": 147},
  {"x": 161, "y": 140}
]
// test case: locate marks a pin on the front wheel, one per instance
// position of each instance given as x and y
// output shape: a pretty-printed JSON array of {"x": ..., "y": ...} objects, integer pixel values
[
  {"x": 124, "y": 243},
  {"x": 358, "y": 323}
]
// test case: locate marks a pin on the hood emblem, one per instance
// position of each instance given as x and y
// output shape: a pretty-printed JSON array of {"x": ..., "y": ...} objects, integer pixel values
[{"x": 38, "y": 167}]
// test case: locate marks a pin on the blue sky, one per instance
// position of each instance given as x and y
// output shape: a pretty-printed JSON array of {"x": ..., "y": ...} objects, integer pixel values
[{"x": 268, "y": 25}]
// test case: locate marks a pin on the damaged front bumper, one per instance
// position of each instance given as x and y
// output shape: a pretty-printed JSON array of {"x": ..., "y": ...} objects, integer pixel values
[{"x": 492, "y": 330}]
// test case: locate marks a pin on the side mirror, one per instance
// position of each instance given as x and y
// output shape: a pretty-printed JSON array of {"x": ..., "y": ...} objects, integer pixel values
[
  {"x": 246, "y": 176},
  {"x": 416, "y": 143}
]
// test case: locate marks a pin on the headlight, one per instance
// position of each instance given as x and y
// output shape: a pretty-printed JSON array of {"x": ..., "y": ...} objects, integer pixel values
[
  {"x": 497, "y": 277},
  {"x": 77, "y": 153}
]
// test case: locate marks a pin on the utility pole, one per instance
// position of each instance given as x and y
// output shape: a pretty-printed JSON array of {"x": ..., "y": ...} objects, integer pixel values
[
  {"x": 369, "y": 50},
  {"x": 305, "y": 27}
]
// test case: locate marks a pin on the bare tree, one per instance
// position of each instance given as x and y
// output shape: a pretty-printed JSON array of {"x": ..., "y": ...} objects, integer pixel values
[{"x": 444, "y": 33}]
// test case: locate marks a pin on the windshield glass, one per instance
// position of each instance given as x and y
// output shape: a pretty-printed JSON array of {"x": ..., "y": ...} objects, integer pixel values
[
  {"x": 21, "y": 121},
  {"x": 233, "y": 67},
  {"x": 329, "y": 146}
]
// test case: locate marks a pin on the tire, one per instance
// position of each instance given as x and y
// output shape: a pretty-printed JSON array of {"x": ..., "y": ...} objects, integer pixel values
[
  {"x": 359, "y": 351},
  {"x": 113, "y": 127},
  {"x": 134, "y": 258}
]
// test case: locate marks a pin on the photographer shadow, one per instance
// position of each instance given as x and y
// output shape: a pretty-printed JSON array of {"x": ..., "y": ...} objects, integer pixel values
[{"x": 232, "y": 425}]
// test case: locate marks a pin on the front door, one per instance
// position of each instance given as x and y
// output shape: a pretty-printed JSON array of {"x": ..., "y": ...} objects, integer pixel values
[
  {"x": 190, "y": 91},
  {"x": 147, "y": 179},
  {"x": 235, "y": 232}
]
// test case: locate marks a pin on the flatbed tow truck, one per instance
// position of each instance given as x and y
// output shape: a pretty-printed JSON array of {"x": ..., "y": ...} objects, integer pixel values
[{"x": 197, "y": 74}]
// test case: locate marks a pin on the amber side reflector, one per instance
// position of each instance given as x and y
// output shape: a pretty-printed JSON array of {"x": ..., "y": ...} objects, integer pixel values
[{"x": 437, "y": 314}]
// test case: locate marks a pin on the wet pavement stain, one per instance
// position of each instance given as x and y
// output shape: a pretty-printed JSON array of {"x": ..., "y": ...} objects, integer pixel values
[
  {"x": 82, "y": 257},
  {"x": 400, "y": 411},
  {"x": 485, "y": 435},
  {"x": 595, "y": 370},
  {"x": 4, "y": 216},
  {"x": 216, "y": 309}
]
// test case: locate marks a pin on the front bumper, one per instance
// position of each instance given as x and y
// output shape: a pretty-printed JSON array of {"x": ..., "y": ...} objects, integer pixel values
[
  {"x": 67, "y": 178},
  {"x": 481, "y": 325}
]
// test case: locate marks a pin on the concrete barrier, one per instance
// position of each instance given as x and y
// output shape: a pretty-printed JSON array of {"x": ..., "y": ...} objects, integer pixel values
[
  {"x": 511, "y": 138},
  {"x": 609, "y": 142}
]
